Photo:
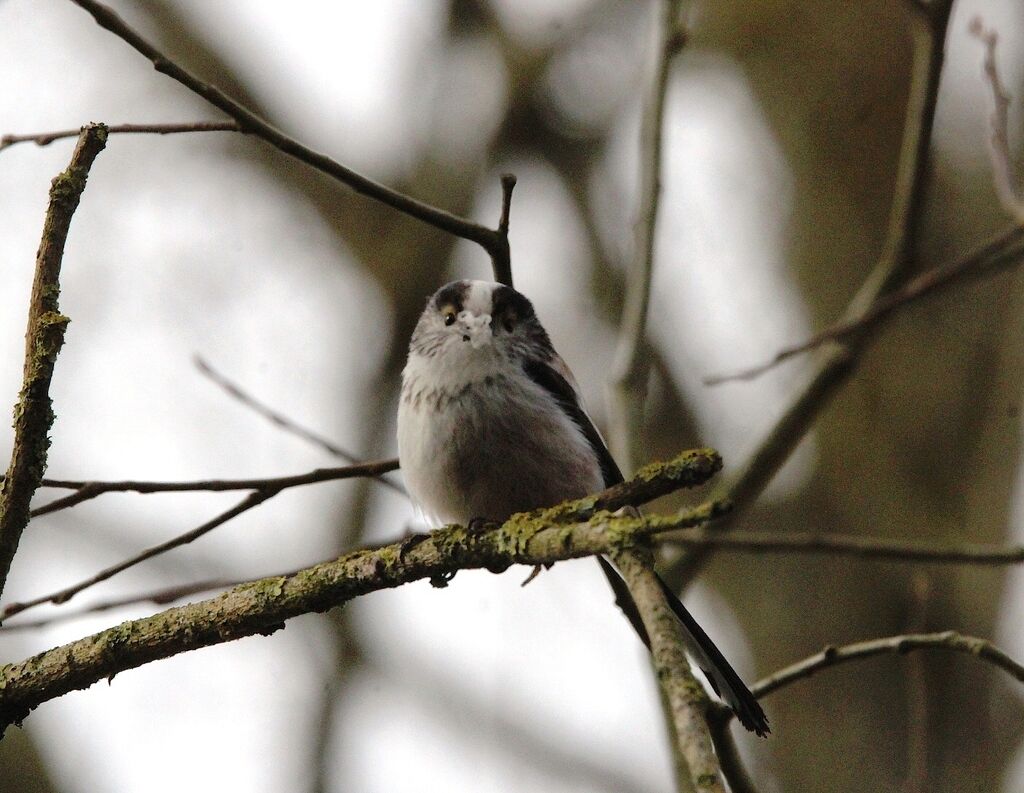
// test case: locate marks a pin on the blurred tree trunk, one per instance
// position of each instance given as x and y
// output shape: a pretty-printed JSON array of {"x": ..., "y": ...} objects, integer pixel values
[{"x": 922, "y": 443}]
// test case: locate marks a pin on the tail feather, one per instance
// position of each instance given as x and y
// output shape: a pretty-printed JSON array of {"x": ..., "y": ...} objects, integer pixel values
[{"x": 723, "y": 678}]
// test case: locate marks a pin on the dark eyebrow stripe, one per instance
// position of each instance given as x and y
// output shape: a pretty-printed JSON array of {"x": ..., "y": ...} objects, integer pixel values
[{"x": 453, "y": 294}]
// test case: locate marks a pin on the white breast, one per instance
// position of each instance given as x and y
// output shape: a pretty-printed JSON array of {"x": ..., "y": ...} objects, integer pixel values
[{"x": 493, "y": 445}]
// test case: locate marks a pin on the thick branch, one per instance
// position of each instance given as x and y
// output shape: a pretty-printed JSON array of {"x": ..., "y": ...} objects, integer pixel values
[
  {"x": 629, "y": 380},
  {"x": 33, "y": 415},
  {"x": 46, "y": 138},
  {"x": 263, "y": 606},
  {"x": 688, "y": 703},
  {"x": 494, "y": 241}
]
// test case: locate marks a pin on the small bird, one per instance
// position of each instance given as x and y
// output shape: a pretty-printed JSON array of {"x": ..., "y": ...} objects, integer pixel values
[{"x": 491, "y": 423}]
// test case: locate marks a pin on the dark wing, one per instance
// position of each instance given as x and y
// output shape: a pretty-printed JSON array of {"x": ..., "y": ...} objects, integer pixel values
[
  {"x": 723, "y": 678},
  {"x": 551, "y": 380}
]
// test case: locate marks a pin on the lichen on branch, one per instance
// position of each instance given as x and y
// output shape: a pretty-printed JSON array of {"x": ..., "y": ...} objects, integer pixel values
[
  {"x": 261, "y": 607},
  {"x": 33, "y": 413}
]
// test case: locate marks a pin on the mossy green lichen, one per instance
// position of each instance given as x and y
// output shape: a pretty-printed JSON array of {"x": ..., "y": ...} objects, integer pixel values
[{"x": 694, "y": 466}]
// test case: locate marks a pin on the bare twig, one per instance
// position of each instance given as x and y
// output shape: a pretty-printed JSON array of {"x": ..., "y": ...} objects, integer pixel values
[
  {"x": 263, "y": 606},
  {"x": 236, "y": 392},
  {"x": 33, "y": 415},
  {"x": 89, "y": 490},
  {"x": 900, "y": 645},
  {"x": 897, "y": 645},
  {"x": 159, "y": 597},
  {"x": 629, "y": 379},
  {"x": 493, "y": 241},
  {"x": 839, "y": 360},
  {"x": 999, "y": 252},
  {"x": 838, "y": 545},
  {"x": 999, "y": 143},
  {"x": 254, "y": 499},
  {"x": 501, "y": 256},
  {"x": 688, "y": 703},
  {"x": 46, "y": 138}
]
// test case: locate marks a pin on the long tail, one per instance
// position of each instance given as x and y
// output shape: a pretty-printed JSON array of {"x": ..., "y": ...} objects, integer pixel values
[{"x": 723, "y": 678}]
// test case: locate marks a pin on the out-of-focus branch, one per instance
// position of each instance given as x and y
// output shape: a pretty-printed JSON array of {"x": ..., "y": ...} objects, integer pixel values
[
  {"x": 838, "y": 359},
  {"x": 46, "y": 138},
  {"x": 995, "y": 255},
  {"x": 493, "y": 241},
  {"x": 999, "y": 143},
  {"x": 263, "y": 606},
  {"x": 1001, "y": 251},
  {"x": 33, "y": 414},
  {"x": 84, "y": 491},
  {"x": 838, "y": 545},
  {"x": 236, "y": 392},
  {"x": 629, "y": 379},
  {"x": 688, "y": 703}
]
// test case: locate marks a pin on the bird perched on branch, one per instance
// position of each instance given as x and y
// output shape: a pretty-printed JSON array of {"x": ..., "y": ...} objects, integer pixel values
[{"x": 491, "y": 423}]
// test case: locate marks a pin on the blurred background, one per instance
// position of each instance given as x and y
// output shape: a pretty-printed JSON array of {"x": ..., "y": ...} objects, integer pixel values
[{"x": 782, "y": 130}]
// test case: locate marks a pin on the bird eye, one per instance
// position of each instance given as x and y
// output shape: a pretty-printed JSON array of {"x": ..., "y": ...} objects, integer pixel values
[
  {"x": 509, "y": 325},
  {"x": 449, "y": 317}
]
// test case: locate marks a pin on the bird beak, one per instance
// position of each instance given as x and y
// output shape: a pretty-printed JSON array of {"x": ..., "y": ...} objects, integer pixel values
[{"x": 475, "y": 329}]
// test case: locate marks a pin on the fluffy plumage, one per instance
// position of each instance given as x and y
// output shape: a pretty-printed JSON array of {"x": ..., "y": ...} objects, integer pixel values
[{"x": 491, "y": 423}]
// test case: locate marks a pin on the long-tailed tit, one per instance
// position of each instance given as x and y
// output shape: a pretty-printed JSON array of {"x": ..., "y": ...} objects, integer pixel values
[{"x": 491, "y": 423}]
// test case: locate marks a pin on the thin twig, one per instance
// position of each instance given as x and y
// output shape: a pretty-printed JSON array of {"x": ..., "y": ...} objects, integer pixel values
[
  {"x": 839, "y": 360},
  {"x": 996, "y": 254},
  {"x": 999, "y": 143},
  {"x": 236, "y": 392},
  {"x": 688, "y": 702},
  {"x": 491, "y": 240},
  {"x": 254, "y": 499},
  {"x": 263, "y": 606},
  {"x": 628, "y": 386},
  {"x": 839, "y": 545},
  {"x": 896, "y": 645},
  {"x": 46, "y": 138},
  {"x": 159, "y": 597},
  {"x": 900, "y": 645},
  {"x": 33, "y": 415},
  {"x": 501, "y": 256},
  {"x": 89, "y": 490}
]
